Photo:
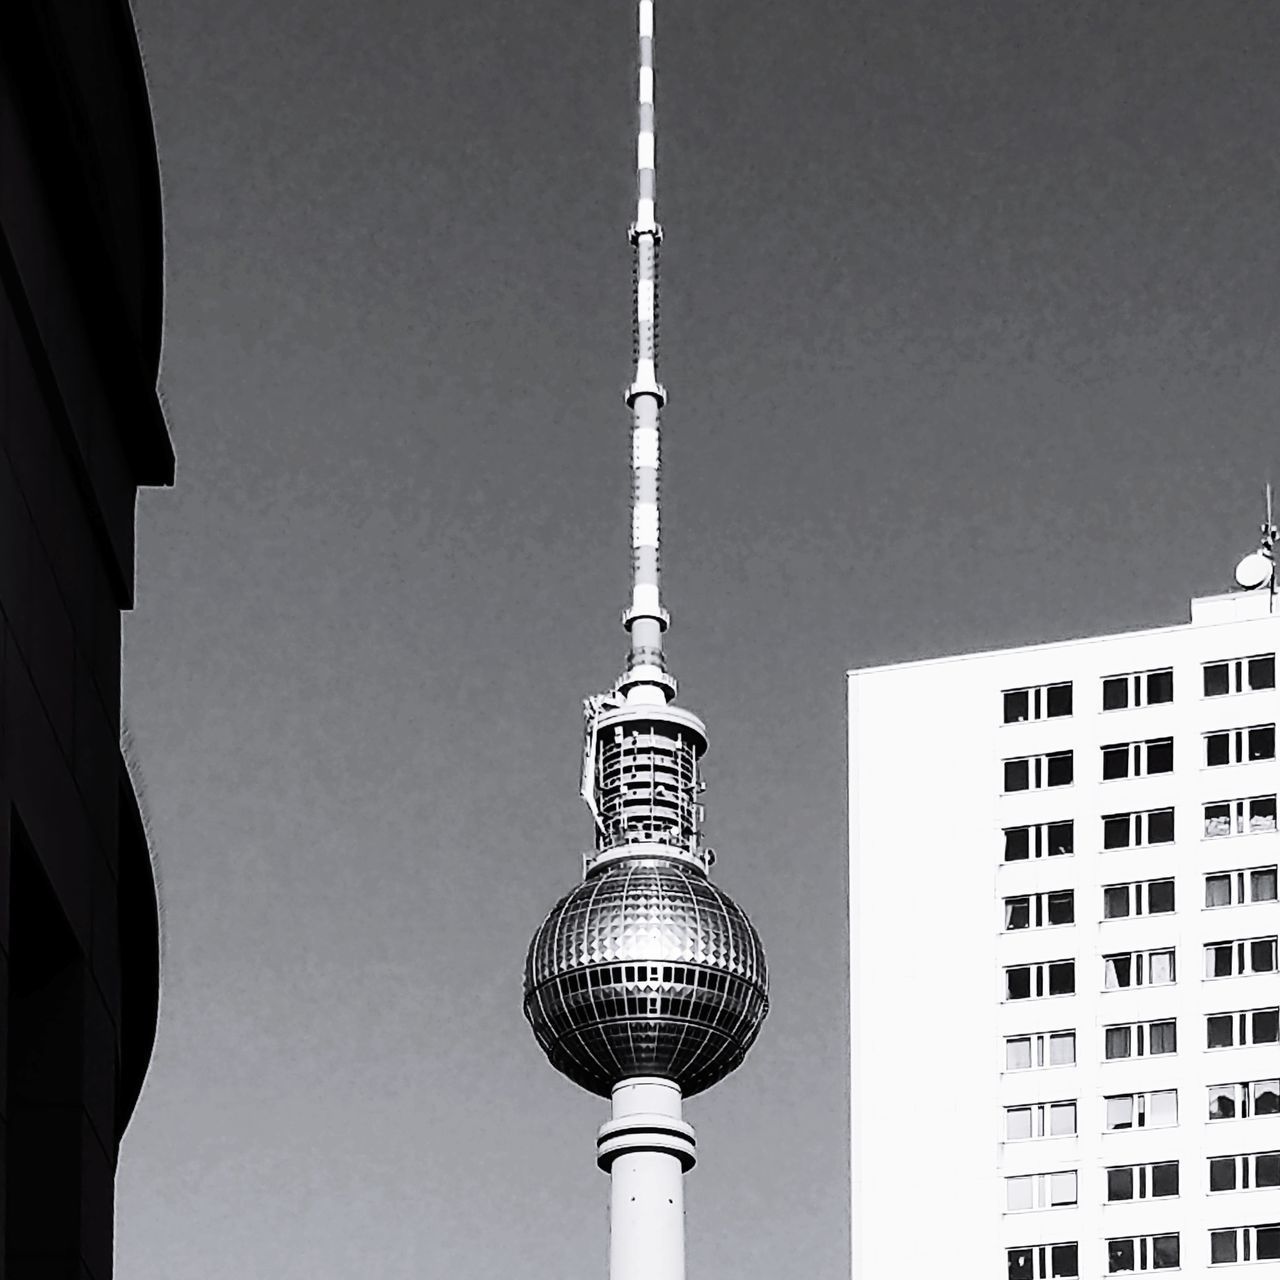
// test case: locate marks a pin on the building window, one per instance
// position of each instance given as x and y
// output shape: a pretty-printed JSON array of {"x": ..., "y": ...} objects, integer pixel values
[
  {"x": 1123, "y": 830},
  {"x": 1140, "y": 1039},
  {"x": 1242, "y": 1028},
  {"x": 1137, "y": 689},
  {"x": 1239, "y": 817},
  {"x": 1033, "y": 773},
  {"x": 1239, "y": 746},
  {"x": 1149, "y": 897},
  {"x": 1142, "y": 1253},
  {"x": 1235, "y": 888},
  {"x": 1044, "y": 1049},
  {"x": 1240, "y": 1173},
  {"x": 1241, "y": 1101},
  {"x": 1044, "y": 840},
  {"x": 1142, "y": 1181},
  {"x": 1240, "y": 675},
  {"x": 1034, "y": 981},
  {"x": 1139, "y": 969},
  {"x": 1040, "y": 1120},
  {"x": 1040, "y": 1191},
  {"x": 1137, "y": 759},
  {"x": 1039, "y": 910},
  {"x": 1156, "y": 1110},
  {"x": 1044, "y": 1262},
  {"x": 1039, "y": 702},
  {"x": 1235, "y": 959},
  {"x": 1245, "y": 1244}
]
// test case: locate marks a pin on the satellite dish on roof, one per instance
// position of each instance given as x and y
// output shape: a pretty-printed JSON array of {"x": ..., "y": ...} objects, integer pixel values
[{"x": 1254, "y": 570}]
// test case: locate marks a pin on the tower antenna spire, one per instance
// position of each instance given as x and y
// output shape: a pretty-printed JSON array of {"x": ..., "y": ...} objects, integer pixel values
[{"x": 645, "y": 618}]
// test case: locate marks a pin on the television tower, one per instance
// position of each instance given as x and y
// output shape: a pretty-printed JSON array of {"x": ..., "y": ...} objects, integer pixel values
[{"x": 646, "y": 983}]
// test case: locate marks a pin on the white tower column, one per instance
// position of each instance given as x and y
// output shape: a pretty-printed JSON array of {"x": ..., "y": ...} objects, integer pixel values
[{"x": 646, "y": 1148}]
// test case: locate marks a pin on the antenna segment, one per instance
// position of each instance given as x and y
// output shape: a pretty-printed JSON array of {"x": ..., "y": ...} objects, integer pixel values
[{"x": 646, "y": 620}]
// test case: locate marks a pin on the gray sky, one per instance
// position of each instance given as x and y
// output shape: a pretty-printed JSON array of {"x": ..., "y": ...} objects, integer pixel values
[{"x": 970, "y": 329}]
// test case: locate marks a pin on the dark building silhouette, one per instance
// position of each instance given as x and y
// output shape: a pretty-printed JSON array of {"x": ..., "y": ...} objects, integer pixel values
[{"x": 81, "y": 427}]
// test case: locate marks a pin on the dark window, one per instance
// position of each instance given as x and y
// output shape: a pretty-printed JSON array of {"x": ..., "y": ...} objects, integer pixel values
[
  {"x": 1117, "y": 831},
  {"x": 1163, "y": 1037},
  {"x": 1020, "y": 1264},
  {"x": 1062, "y": 978},
  {"x": 1220, "y": 958},
  {"x": 1267, "y": 1170},
  {"x": 1216, "y": 680},
  {"x": 1115, "y": 693},
  {"x": 1018, "y": 983},
  {"x": 1220, "y": 1028},
  {"x": 1217, "y": 749},
  {"x": 1119, "y": 1255},
  {"x": 1017, "y": 844},
  {"x": 1266, "y": 1026},
  {"x": 1058, "y": 700},
  {"x": 1262, "y": 672},
  {"x": 1160, "y": 826},
  {"x": 1115, "y": 761},
  {"x": 1266, "y": 1097},
  {"x": 1222, "y": 1246},
  {"x": 1062, "y": 908},
  {"x": 1115, "y": 901},
  {"x": 1164, "y": 1179},
  {"x": 1017, "y": 706},
  {"x": 1222, "y": 1102},
  {"x": 1059, "y": 769},
  {"x": 1064, "y": 1261},
  {"x": 1017, "y": 775},
  {"x": 1263, "y": 885},
  {"x": 1160, "y": 760},
  {"x": 1164, "y": 1251},
  {"x": 1262, "y": 955},
  {"x": 1119, "y": 1184},
  {"x": 1118, "y": 1043},
  {"x": 1119, "y": 971},
  {"x": 1268, "y": 1243},
  {"x": 1061, "y": 838},
  {"x": 1159, "y": 686},
  {"x": 1262, "y": 742},
  {"x": 1017, "y": 913},
  {"x": 1222, "y": 1174},
  {"x": 1159, "y": 897}
]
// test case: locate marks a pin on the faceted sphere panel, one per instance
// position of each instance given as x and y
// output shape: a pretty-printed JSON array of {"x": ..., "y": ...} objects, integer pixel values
[{"x": 646, "y": 969}]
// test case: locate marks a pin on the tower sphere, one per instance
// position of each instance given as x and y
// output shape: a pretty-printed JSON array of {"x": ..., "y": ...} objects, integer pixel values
[{"x": 646, "y": 969}]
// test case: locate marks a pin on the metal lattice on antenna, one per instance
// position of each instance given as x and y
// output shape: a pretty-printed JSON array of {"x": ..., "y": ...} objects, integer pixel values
[{"x": 646, "y": 983}]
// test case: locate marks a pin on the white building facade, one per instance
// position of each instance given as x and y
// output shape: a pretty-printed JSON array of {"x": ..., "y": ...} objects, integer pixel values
[{"x": 1064, "y": 989}]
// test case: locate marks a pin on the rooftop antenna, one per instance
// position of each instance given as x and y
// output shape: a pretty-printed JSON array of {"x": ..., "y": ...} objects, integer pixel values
[{"x": 1258, "y": 568}]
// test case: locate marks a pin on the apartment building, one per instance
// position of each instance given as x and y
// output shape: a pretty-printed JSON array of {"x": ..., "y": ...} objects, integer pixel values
[{"x": 1065, "y": 1005}]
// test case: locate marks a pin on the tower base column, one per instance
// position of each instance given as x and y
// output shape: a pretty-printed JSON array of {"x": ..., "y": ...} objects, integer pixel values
[{"x": 646, "y": 1148}]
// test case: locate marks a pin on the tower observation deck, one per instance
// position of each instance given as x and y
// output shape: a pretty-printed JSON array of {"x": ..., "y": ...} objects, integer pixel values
[{"x": 646, "y": 982}]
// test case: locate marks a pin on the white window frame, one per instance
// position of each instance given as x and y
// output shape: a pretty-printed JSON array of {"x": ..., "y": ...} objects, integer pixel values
[
  {"x": 1138, "y": 892},
  {"x": 1040, "y": 975},
  {"x": 1143, "y": 1182},
  {"x": 1044, "y": 1265},
  {"x": 1040, "y": 1049},
  {"x": 1242, "y": 956},
  {"x": 1140, "y": 965},
  {"x": 1246, "y": 1243},
  {"x": 1040, "y": 840},
  {"x": 1037, "y": 772},
  {"x": 1245, "y": 816},
  {"x": 1240, "y": 882},
  {"x": 1137, "y": 761},
  {"x": 1042, "y": 1117},
  {"x": 1242, "y": 1028},
  {"x": 1038, "y": 910},
  {"x": 1139, "y": 827},
  {"x": 1240, "y": 674},
  {"x": 1144, "y": 1251},
  {"x": 1037, "y": 702},
  {"x": 1140, "y": 1110},
  {"x": 1244, "y": 1096},
  {"x": 1139, "y": 1038},
  {"x": 1244, "y": 1171},
  {"x": 1137, "y": 689},
  {"x": 1239, "y": 744},
  {"x": 1041, "y": 1186}
]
